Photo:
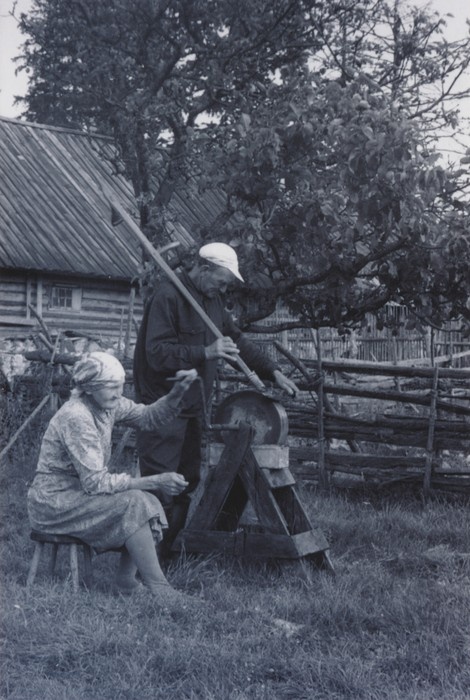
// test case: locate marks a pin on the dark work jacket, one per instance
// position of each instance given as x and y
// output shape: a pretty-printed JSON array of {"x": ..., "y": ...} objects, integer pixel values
[{"x": 173, "y": 336}]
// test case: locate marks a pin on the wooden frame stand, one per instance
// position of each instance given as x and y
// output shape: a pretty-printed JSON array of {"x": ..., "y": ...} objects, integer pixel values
[{"x": 257, "y": 475}]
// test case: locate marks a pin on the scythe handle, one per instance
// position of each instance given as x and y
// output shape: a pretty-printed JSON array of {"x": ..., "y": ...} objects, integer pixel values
[{"x": 252, "y": 376}]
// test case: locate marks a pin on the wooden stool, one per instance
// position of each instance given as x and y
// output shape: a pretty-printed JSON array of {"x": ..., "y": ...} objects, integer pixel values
[{"x": 42, "y": 538}]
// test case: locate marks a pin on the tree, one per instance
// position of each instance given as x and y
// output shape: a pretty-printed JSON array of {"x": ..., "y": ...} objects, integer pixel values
[
  {"x": 315, "y": 123},
  {"x": 334, "y": 184},
  {"x": 144, "y": 72},
  {"x": 343, "y": 209}
]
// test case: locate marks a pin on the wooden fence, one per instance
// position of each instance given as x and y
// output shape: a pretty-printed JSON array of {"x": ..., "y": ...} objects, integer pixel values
[
  {"x": 383, "y": 422},
  {"x": 380, "y": 422},
  {"x": 372, "y": 343}
]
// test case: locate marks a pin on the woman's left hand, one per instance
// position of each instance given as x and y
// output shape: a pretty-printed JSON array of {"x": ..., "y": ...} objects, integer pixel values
[
  {"x": 168, "y": 483},
  {"x": 171, "y": 483}
]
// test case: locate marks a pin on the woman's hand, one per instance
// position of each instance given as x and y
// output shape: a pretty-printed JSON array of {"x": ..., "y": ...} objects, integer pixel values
[
  {"x": 171, "y": 483},
  {"x": 168, "y": 484},
  {"x": 183, "y": 380}
]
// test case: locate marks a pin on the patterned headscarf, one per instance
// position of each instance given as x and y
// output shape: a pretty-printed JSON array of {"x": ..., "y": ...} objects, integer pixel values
[{"x": 95, "y": 370}]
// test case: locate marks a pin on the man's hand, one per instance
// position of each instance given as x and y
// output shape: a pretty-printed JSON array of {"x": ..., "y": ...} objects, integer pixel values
[
  {"x": 222, "y": 347},
  {"x": 285, "y": 383}
]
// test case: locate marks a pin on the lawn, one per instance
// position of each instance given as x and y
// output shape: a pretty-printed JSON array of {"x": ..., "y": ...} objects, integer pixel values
[{"x": 393, "y": 623}]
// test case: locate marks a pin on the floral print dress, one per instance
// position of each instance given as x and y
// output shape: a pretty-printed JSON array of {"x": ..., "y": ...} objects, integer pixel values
[{"x": 73, "y": 491}]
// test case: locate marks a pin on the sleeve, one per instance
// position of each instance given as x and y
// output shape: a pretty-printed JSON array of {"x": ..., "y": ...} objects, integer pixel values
[
  {"x": 250, "y": 353},
  {"x": 151, "y": 417},
  {"x": 164, "y": 352},
  {"x": 85, "y": 449}
]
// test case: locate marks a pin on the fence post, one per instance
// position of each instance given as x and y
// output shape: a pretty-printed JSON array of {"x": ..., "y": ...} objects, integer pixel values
[
  {"x": 321, "y": 419},
  {"x": 430, "y": 441}
]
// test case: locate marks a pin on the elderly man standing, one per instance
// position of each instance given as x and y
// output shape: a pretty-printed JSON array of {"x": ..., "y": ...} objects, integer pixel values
[{"x": 172, "y": 337}]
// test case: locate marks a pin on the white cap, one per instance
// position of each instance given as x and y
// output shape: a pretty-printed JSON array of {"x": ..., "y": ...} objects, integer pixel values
[{"x": 223, "y": 255}]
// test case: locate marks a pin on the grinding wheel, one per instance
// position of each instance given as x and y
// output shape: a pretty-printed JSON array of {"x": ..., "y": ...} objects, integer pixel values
[{"x": 267, "y": 417}]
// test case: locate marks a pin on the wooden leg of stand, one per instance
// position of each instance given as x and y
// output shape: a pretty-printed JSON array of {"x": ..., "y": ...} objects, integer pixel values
[
  {"x": 34, "y": 563},
  {"x": 53, "y": 559},
  {"x": 74, "y": 566},
  {"x": 88, "y": 567}
]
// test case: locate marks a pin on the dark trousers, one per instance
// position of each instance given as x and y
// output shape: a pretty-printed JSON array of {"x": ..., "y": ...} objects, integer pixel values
[{"x": 175, "y": 447}]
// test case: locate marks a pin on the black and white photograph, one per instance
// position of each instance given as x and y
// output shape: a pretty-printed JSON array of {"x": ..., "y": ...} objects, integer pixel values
[{"x": 235, "y": 349}]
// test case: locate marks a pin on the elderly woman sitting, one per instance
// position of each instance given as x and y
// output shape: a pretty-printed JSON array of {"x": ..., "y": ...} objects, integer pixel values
[{"x": 73, "y": 492}]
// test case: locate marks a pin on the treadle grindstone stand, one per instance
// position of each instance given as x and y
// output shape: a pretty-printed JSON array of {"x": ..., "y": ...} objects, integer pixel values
[{"x": 244, "y": 473}]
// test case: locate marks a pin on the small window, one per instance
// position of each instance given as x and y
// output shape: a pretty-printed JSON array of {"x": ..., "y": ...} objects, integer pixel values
[{"x": 66, "y": 298}]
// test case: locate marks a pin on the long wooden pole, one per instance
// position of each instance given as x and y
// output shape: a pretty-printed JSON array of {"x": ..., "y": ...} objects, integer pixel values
[
  {"x": 12, "y": 441},
  {"x": 117, "y": 209}
]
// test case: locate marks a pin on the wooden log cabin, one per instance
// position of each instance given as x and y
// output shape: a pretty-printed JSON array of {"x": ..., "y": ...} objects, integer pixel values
[{"x": 60, "y": 257}]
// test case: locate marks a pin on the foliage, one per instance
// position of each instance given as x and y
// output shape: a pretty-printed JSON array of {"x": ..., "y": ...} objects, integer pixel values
[{"x": 313, "y": 123}]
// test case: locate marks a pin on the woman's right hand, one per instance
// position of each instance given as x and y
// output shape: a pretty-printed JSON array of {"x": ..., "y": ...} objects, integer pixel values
[
  {"x": 169, "y": 483},
  {"x": 183, "y": 380}
]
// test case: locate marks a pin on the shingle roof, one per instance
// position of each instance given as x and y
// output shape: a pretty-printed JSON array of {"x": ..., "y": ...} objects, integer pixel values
[{"x": 54, "y": 215}]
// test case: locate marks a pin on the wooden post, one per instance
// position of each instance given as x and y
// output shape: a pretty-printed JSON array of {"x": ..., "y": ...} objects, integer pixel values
[
  {"x": 395, "y": 360},
  {"x": 130, "y": 316},
  {"x": 39, "y": 295},
  {"x": 426, "y": 342},
  {"x": 285, "y": 338},
  {"x": 321, "y": 419},
  {"x": 336, "y": 396},
  {"x": 54, "y": 397},
  {"x": 28, "y": 296},
  {"x": 40, "y": 320},
  {"x": 430, "y": 440},
  {"x": 136, "y": 326},
  {"x": 121, "y": 324}
]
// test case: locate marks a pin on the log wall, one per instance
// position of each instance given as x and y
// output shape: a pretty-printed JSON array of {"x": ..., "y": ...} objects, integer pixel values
[{"x": 101, "y": 306}]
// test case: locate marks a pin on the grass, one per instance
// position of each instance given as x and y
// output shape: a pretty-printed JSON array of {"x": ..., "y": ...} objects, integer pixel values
[{"x": 393, "y": 623}]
